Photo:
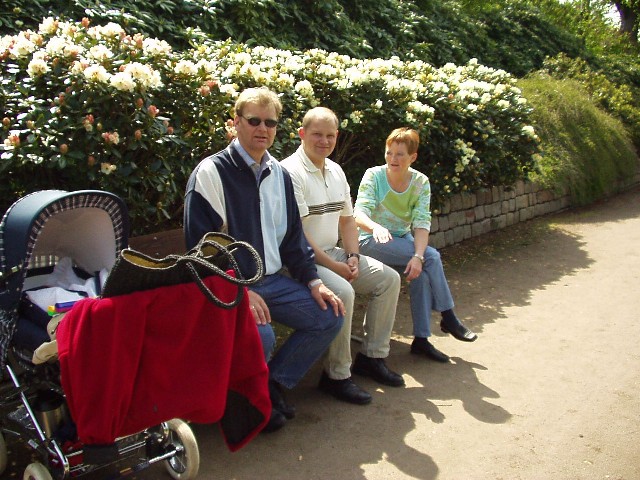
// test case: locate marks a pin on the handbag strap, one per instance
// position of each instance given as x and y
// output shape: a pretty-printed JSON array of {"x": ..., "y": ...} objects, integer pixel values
[{"x": 197, "y": 257}]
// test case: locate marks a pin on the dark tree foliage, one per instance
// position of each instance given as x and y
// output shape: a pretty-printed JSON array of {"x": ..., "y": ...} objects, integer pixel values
[{"x": 515, "y": 38}]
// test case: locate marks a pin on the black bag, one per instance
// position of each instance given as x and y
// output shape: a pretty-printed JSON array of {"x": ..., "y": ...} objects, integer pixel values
[{"x": 214, "y": 255}]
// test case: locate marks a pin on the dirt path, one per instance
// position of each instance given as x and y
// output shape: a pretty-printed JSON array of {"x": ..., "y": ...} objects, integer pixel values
[{"x": 549, "y": 390}]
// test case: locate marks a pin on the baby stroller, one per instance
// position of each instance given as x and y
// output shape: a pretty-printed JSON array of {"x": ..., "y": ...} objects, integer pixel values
[{"x": 36, "y": 233}]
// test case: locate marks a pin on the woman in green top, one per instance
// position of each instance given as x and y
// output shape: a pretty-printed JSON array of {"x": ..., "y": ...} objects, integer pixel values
[{"x": 394, "y": 217}]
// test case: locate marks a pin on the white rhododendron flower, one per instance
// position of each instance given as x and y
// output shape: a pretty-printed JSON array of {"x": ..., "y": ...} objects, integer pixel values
[
  {"x": 37, "y": 67},
  {"x": 305, "y": 88},
  {"x": 96, "y": 73},
  {"x": 100, "y": 53},
  {"x": 356, "y": 116},
  {"x": 107, "y": 168},
  {"x": 529, "y": 131},
  {"x": 22, "y": 46},
  {"x": 123, "y": 81},
  {"x": 186, "y": 67},
  {"x": 48, "y": 26},
  {"x": 229, "y": 89},
  {"x": 111, "y": 30},
  {"x": 153, "y": 47},
  {"x": 143, "y": 74}
]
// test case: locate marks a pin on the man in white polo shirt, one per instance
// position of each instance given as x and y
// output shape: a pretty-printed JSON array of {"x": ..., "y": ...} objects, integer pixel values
[{"x": 324, "y": 201}]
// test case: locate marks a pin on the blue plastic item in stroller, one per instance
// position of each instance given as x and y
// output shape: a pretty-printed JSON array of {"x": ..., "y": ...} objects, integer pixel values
[{"x": 39, "y": 230}]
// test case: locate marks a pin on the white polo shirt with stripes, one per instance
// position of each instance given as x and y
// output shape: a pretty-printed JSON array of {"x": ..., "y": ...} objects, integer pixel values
[{"x": 323, "y": 196}]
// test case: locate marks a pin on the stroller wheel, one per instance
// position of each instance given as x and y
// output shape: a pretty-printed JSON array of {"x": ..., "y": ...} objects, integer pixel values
[
  {"x": 3, "y": 454},
  {"x": 184, "y": 465},
  {"x": 36, "y": 471}
]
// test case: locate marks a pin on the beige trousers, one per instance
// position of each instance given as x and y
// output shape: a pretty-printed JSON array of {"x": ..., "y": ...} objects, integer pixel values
[{"x": 382, "y": 285}]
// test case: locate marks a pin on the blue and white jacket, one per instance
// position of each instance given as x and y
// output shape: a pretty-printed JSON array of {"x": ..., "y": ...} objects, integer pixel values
[{"x": 223, "y": 195}]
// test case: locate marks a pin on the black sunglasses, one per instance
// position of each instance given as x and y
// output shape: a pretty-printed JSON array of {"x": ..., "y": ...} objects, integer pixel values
[{"x": 255, "y": 121}]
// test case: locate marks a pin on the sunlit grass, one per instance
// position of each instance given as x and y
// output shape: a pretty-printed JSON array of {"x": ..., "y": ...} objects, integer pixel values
[{"x": 586, "y": 151}]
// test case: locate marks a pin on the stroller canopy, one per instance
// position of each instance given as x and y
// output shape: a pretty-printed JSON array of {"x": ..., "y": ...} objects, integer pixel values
[{"x": 89, "y": 226}]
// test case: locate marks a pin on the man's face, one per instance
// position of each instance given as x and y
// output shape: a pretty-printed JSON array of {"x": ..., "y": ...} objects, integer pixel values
[
  {"x": 255, "y": 140},
  {"x": 319, "y": 139}
]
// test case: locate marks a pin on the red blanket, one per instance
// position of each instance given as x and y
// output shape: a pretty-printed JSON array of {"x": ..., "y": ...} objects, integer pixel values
[{"x": 133, "y": 361}]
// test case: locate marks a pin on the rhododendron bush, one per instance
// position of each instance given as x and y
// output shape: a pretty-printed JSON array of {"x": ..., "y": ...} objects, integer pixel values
[{"x": 93, "y": 107}]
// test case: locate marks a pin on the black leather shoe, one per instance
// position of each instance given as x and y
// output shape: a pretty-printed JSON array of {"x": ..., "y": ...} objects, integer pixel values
[
  {"x": 458, "y": 330},
  {"x": 278, "y": 402},
  {"x": 345, "y": 390},
  {"x": 276, "y": 422},
  {"x": 421, "y": 346},
  {"x": 377, "y": 369}
]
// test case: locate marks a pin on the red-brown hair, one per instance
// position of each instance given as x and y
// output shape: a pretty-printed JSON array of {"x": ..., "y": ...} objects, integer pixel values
[{"x": 405, "y": 135}]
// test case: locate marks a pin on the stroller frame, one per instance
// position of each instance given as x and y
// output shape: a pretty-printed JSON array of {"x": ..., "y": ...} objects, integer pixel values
[{"x": 91, "y": 227}]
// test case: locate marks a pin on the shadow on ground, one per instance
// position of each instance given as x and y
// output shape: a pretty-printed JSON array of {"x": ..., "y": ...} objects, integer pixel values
[{"x": 327, "y": 439}]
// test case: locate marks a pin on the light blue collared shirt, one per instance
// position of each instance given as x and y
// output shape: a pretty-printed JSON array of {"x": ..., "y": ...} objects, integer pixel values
[{"x": 251, "y": 163}]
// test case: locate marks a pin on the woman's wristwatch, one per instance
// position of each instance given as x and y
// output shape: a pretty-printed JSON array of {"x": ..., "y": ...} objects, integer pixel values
[
  {"x": 351, "y": 255},
  {"x": 314, "y": 283},
  {"x": 419, "y": 257}
]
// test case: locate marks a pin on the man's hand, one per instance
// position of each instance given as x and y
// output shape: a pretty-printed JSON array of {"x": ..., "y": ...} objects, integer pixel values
[
  {"x": 354, "y": 268},
  {"x": 259, "y": 308},
  {"x": 348, "y": 271},
  {"x": 322, "y": 295}
]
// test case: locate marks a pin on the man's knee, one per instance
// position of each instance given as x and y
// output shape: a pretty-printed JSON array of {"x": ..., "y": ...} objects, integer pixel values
[
  {"x": 346, "y": 294},
  {"x": 393, "y": 277},
  {"x": 330, "y": 322}
]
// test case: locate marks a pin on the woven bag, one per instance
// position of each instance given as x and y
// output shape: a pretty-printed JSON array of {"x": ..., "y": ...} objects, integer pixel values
[{"x": 214, "y": 255}]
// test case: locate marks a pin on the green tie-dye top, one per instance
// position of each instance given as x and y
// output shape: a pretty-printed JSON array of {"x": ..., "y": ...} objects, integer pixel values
[{"x": 399, "y": 212}]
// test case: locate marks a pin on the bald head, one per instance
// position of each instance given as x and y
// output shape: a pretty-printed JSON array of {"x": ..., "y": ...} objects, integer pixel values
[
  {"x": 319, "y": 133},
  {"x": 320, "y": 114}
]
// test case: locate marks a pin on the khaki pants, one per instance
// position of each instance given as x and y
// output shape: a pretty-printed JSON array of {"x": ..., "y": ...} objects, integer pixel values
[{"x": 382, "y": 284}]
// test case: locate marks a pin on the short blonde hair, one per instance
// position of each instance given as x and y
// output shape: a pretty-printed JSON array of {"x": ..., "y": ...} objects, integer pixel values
[
  {"x": 405, "y": 135},
  {"x": 320, "y": 113},
  {"x": 260, "y": 96}
]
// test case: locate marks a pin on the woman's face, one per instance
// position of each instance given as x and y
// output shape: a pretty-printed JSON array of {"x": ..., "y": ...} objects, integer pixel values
[{"x": 398, "y": 158}]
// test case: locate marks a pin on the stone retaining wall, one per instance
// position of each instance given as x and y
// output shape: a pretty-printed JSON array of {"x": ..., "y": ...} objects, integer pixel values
[
  {"x": 468, "y": 215},
  {"x": 462, "y": 216}
]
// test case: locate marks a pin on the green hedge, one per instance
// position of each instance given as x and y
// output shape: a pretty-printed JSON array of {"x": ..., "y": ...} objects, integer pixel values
[
  {"x": 94, "y": 107},
  {"x": 586, "y": 151}
]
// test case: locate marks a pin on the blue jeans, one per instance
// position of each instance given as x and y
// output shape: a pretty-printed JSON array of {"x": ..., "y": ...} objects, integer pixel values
[
  {"x": 268, "y": 339},
  {"x": 290, "y": 303},
  {"x": 429, "y": 291}
]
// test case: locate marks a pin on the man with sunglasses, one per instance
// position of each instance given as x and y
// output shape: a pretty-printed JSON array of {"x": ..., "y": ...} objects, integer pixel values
[{"x": 243, "y": 191}]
